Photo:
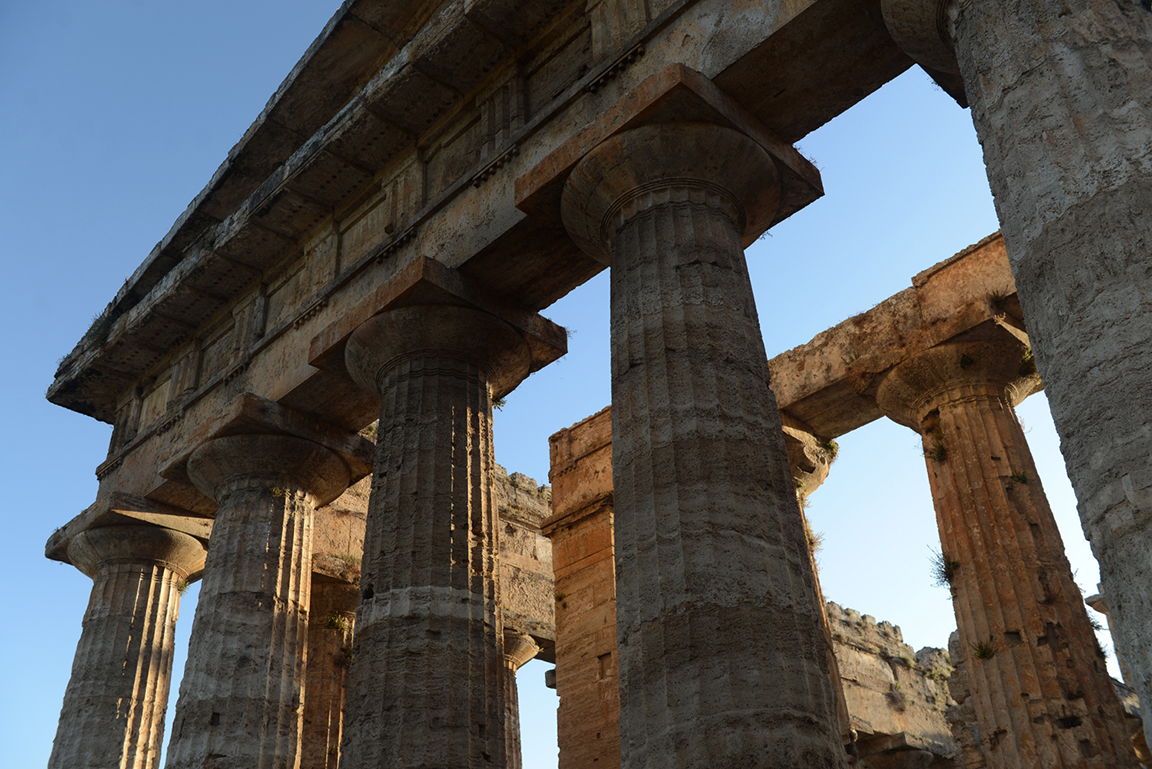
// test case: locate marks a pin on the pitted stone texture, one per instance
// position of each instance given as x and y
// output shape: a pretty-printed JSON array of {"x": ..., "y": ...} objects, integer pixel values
[
  {"x": 922, "y": 29},
  {"x": 426, "y": 685},
  {"x": 113, "y": 713},
  {"x": 241, "y": 700},
  {"x": 962, "y": 715},
  {"x": 810, "y": 459},
  {"x": 587, "y": 670},
  {"x": 429, "y": 331},
  {"x": 1040, "y": 689},
  {"x": 1060, "y": 103},
  {"x": 330, "y": 626},
  {"x": 723, "y": 660},
  {"x": 897, "y": 697},
  {"x": 684, "y": 165},
  {"x": 236, "y": 462},
  {"x": 527, "y": 586}
]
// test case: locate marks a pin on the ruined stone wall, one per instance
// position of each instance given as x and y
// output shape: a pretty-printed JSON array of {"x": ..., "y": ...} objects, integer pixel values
[
  {"x": 897, "y": 697},
  {"x": 527, "y": 586}
]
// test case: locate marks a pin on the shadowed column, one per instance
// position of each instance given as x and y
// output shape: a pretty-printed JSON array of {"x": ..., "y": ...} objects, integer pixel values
[
  {"x": 722, "y": 654},
  {"x": 1039, "y": 685},
  {"x": 519, "y": 649},
  {"x": 425, "y": 687},
  {"x": 810, "y": 458},
  {"x": 330, "y": 629},
  {"x": 241, "y": 699},
  {"x": 113, "y": 713}
]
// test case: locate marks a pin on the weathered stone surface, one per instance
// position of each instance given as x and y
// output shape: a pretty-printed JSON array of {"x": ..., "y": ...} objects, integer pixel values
[
  {"x": 241, "y": 700},
  {"x": 696, "y": 447},
  {"x": 581, "y": 531},
  {"x": 113, "y": 713},
  {"x": 1058, "y": 101},
  {"x": 527, "y": 585},
  {"x": 408, "y": 133},
  {"x": 426, "y": 685},
  {"x": 1038, "y": 683},
  {"x": 331, "y": 621},
  {"x": 962, "y": 715},
  {"x": 897, "y": 698}
]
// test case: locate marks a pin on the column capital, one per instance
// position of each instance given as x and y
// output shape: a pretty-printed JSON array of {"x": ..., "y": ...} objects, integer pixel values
[
  {"x": 997, "y": 367},
  {"x": 262, "y": 459},
  {"x": 668, "y": 163},
  {"x": 463, "y": 333},
  {"x": 923, "y": 30},
  {"x": 519, "y": 648},
  {"x": 181, "y": 553},
  {"x": 809, "y": 456}
]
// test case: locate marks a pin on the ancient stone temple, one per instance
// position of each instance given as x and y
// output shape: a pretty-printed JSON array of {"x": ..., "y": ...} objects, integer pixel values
[
  {"x": 948, "y": 357},
  {"x": 301, "y": 375}
]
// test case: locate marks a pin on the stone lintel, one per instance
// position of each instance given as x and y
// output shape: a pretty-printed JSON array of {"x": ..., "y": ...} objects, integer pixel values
[
  {"x": 427, "y": 281},
  {"x": 119, "y": 509},
  {"x": 827, "y": 382},
  {"x": 675, "y": 94},
  {"x": 248, "y": 413}
]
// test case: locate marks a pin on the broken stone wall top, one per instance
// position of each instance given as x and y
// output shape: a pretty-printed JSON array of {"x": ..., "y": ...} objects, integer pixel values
[{"x": 897, "y": 698}]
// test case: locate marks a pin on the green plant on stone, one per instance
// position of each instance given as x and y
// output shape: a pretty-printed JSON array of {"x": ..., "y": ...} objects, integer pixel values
[
  {"x": 336, "y": 621},
  {"x": 1020, "y": 477},
  {"x": 182, "y": 586},
  {"x": 832, "y": 449},
  {"x": 984, "y": 650},
  {"x": 936, "y": 450},
  {"x": 943, "y": 569},
  {"x": 99, "y": 329},
  {"x": 349, "y": 559},
  {"x": 815, "y": 539},
  {"x": 277, "y": 491},
  {"x": 1027, "y": 363},
  {"x": 967, "y": 361},
  {"x": 896, "y": 698}
]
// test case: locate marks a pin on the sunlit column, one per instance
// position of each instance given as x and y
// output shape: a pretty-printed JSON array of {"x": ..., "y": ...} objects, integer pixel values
[
  {"x": 1038, "y": 682},
  {"x": 113, "y": 713}
]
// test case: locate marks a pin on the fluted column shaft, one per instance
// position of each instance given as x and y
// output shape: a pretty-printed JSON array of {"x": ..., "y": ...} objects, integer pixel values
[
  {"x": 722, "y": 654},
  {"x": 330, "y": 629},
  {"x": 519, "y": 648},
  {"x": 1061, "y": 97},
  {"x": 113, "y": 713},
  {"x": 810, "y": 459},
  {"x": 1040, "y": 688},
  {"x": 425, "y": 687},
  {"x": 241, "y": 699}
]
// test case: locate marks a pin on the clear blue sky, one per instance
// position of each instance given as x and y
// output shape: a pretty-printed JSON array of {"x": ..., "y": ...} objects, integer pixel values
[{"x": 116, "y": 114}]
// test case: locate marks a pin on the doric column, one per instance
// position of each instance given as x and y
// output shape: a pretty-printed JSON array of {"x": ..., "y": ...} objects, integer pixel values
[
  {"x": 330, "y": 626},
  {"x": 241, "y": 699},
  {"x": 1039, "y": 685},
  {"x": 722, "y": 656},
  {"x": 519, "y": 649},
  {"x": 810, "y": 458},
  {"x": 425, "y": 686},
  {"x": 1060, "y": 96},
  {"x": 113, "y": 714}
]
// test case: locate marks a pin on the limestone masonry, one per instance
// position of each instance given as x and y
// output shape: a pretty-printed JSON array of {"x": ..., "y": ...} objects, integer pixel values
[{"x": 300, "y": 379}]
